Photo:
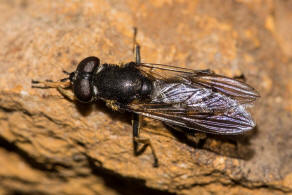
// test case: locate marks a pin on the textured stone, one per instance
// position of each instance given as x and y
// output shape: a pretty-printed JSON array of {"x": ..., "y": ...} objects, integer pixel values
[{"x": 49, "y": 145}]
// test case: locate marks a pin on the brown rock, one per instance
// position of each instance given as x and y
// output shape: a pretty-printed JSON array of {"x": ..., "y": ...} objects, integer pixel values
[{"x": 49, "y": 145}]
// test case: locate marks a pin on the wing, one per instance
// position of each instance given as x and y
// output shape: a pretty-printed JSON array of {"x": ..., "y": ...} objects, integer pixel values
[
  {"x": 233, "y": 88},
  {"x": 199, "y": 108},
  {"x": 223, "y": 124}
]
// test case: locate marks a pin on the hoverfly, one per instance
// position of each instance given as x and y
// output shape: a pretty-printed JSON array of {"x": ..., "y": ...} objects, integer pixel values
[{"x": 198, "y": 100}]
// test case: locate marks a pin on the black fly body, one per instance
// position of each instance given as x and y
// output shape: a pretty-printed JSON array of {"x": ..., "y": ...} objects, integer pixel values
[{"x": 198, "y": 100}]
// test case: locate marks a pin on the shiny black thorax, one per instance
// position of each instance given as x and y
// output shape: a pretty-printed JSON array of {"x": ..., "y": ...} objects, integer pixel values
[{"x": 122, "y": 84}]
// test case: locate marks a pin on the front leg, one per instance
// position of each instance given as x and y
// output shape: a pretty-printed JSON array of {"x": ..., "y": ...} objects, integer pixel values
[
  {"x": 136, "y": 123},
  {"x": 67, "y": 94}
]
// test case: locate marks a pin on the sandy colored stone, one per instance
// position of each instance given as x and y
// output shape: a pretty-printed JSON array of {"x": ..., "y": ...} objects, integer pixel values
[{"x": 49, "y": 145}]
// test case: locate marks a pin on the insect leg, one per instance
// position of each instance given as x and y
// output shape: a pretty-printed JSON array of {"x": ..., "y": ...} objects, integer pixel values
[
  {"x": 137, "y": 54},
  {"x": 195, "y": 136},
  {"x": 67, "y": 93},
  {"x": 136, "y": 47},
  {"x": 136, "y": 123}
]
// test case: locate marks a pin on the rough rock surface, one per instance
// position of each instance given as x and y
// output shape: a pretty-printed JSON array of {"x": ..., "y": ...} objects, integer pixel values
[{"x": 49, "y": 145}]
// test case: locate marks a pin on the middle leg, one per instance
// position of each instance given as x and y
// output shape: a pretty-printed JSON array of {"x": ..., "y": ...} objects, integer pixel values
[{"x": 136, "y": 123}]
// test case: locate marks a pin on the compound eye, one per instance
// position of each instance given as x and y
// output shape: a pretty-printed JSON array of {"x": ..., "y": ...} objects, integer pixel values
[
  {"x": 88, "y": 64},
  {"x": 82, "y": 90}
]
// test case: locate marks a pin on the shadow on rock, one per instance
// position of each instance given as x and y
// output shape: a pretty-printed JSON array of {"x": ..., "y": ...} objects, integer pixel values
[
  {"x": 86, "y": 109},
  {"x": 235, "y": 146}
]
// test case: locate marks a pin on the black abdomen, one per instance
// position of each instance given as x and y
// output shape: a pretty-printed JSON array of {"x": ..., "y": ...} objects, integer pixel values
[{"x": 123, "y": 84}]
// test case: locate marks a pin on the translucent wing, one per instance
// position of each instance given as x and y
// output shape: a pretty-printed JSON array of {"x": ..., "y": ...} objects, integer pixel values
[
  {"x": 195, "y": 108},
  {"x": 236, "y": 89},
  {"x": 225, "y": 124},
  {"x": 199, "y": 100},
  {"x": 233, "y": 88}
]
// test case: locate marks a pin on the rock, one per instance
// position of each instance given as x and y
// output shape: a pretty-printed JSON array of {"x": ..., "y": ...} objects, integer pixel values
[{"x": 49, "y": 145}]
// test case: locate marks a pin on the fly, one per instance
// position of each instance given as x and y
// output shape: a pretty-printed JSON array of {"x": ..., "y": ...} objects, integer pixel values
[{"x": 198, "y": 100}]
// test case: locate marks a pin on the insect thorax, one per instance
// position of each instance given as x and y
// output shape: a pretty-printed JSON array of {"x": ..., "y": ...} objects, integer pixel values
[{"x": 123, "y": 84}]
